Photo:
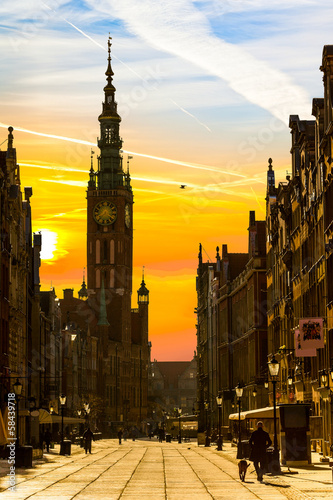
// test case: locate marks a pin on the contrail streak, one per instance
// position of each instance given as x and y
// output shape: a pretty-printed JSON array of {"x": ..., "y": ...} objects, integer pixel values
[
  {"x": 126, "y": 66},
  {"x": 166, "y": 160},
  {"x": 190, "y": 114}
]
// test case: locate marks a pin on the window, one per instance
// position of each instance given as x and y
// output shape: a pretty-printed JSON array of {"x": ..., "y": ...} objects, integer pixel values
[
  {"x": 98, "y": 252},
  {"x": 112, "y": 252}
]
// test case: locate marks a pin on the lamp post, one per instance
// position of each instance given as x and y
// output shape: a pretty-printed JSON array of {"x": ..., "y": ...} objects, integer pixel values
[
  {"x": 18, "y": 391},
  {"x": 87, "y": 410},
  {"x": 239, "y": 394},
  {"x": 207, "y": 444},
  {"x": 219, "y": 406},
  {"x": 180, "y": 427},
  {"x": 324, "y": 378},
  {"x": 274, "y": 367},
  {"x": 62, "y": 399}
]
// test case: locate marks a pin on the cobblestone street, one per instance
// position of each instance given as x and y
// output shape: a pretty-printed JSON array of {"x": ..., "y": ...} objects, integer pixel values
[{"x": 150, "y": 470}]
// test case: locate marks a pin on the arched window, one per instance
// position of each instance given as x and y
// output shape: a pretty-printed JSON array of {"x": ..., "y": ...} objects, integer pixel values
[
  {"x": 98, "y": 252},
  {"x": 108, "y": 135},
  {"x": 112, "y": 252},
  {"x": 105, "y": 251},
  {"x": 98, "y": 278}
]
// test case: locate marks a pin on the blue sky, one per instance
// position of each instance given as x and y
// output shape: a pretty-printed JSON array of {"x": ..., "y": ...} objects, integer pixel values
[{"x": 209, "y": 85}]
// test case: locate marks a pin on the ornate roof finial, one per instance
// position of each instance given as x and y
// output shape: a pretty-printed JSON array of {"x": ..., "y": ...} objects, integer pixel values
[
  {"x": 91, "y": 161},
  {"x": 143, "y": 292},
  {"x": 83, "y": 292},
  {"x": 109, "y": 73},
  {"x": 10, "y": 137}
]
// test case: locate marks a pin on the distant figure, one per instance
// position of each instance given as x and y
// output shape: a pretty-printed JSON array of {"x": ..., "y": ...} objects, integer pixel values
[
  {"x": 259, "y": 442},
  {"x": 88, "y": 437},
  {"x": 120, "y": 435},
  {"x": 47, "y": 439},
  {"x": 160, "y": 435}
]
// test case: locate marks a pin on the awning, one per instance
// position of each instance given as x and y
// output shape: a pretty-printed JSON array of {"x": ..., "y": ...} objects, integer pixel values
[
  {"x": 47, "y": 418},
  {"x": 56, "y": 419},
  {"x": 267, "y": 412},
  {"x": 44, "y": 417}
]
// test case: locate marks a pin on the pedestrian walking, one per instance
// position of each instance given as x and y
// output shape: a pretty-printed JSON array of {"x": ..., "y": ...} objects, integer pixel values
[
  {"x": 47, "y": 439},
  {"x": 88, "y": 436},
  {"x": 160, "y": 435},
  {"x": 259, "y": 442},
  {"x": 120, "y": 435}
]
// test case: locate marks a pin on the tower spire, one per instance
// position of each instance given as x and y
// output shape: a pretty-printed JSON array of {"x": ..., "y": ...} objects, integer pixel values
[
  {"x": 143, "y": 292},
  {"x": 83, "y": 292}
]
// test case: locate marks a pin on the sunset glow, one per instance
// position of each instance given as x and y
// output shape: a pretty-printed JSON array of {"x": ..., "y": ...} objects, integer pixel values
[{"x": 204, "y": 89}]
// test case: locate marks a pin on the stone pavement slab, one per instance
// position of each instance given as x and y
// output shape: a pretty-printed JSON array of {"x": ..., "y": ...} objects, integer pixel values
[{"x": 147, "y": 470}]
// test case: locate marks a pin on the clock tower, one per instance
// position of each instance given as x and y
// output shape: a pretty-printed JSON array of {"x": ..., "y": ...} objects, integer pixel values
[{"x": 110, "y": 223}]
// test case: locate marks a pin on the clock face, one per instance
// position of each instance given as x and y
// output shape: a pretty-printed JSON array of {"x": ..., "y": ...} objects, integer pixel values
[
  {"x": 127, "y": 216},
  {"x": 105, "y": 213}
]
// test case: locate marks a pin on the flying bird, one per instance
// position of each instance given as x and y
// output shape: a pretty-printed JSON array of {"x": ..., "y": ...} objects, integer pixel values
[{"x": 183, "y": 186}]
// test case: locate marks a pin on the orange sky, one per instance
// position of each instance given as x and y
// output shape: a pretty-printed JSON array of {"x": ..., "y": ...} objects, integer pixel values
[
  {"x": 169, "y": 223},
  {"x": 209, "y": 85}
]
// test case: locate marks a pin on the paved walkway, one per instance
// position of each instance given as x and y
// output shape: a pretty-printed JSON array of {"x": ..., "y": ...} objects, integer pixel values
[{"x": 147, "y": 469}]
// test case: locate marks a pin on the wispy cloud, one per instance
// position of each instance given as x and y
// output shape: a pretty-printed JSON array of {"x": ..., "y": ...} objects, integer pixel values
[
  {"x": 178, "y": 27},
  {"x": 159, "y": 158}
]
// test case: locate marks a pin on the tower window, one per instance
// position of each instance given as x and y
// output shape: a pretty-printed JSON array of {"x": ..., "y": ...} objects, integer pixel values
[
  {"x": 108, "y": 135},
  {"x": 112, "y": 278},
  {"x": 98, "y": 252},
  {"x": 105, "y": 252},
  {"x": 112, "y": 252},
  {"x": 98, "y": 278}
]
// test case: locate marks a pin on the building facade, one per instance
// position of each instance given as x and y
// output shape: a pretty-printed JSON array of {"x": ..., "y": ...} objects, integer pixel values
[
  {"x": 19, "y": 287},
  {"x": 231, "y": 328}
]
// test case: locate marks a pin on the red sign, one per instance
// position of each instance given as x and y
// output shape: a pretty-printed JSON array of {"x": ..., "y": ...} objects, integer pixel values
[{"x": 299, "y": 351}]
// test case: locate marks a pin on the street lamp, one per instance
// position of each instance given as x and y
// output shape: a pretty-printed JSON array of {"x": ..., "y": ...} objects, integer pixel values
[
  {"x": 274, "y": 367},
  {"x": 324, "y": 378},
  {"x": 207, "y": 444},
  {"x": 62, "y": 399},
  {"x": 254, "y": 392},
  {"x": 87, "y": 410},
  {"x": 219, "y": 405},
  {"x": 18, "y": 391},
  {"x": 180, "y": 427},
  {"x": 266, "y": 384},
  {"x": 239, "y": 394}
]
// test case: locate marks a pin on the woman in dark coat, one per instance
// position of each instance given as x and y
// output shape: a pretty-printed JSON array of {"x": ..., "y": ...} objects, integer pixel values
[{"x": 259, "y": 442}]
